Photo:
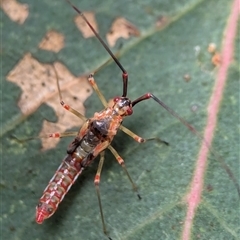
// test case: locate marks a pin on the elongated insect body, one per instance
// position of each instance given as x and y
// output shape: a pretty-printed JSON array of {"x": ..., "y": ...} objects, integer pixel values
[{"x": 94, "y": 136}]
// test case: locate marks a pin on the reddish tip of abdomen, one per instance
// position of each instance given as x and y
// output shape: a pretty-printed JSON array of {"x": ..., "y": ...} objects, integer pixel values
[{"x": 40, "y": 217}]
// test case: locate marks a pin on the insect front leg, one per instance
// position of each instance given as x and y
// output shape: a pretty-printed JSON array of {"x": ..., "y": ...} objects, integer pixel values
[
  {"x": 75, "y": 112},
  {"x": 140, "y": 139},
  {"x": 64, "y": 105},
  {"x": 96, "y": 89}
]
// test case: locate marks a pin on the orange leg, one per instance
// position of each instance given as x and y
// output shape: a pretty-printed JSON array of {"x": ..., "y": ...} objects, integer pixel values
[
  {"x": 121, "y": 162},
  {"x": 60, "y": 135},
  {"x": 67, "y": 107},
  {"x": 100, "y": 150},
  {"x": 95, "y": 87},
  {"x": 75, "y": 112},
  {"x": 140, "y": 139},
  {"x": 51, "y": 135},
  {"x": 94, "y": 84},
  {"x": 96, "y": 183}
]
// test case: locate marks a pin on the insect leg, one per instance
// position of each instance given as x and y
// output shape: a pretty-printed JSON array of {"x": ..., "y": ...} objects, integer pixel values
[
  {"x": 60, "y": 135},
  {"x": 51, "y": 135},
  {"x": 140, "y": 139},
  {"x": 75, "y": 112},
  {"x": 121, "y": 162},
  {"x": 96, "y": 89},
  {"x": 96, "y": 183},
  {"x": 64, "y": 105}
]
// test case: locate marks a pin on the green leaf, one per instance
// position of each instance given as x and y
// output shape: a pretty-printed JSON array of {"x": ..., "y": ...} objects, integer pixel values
[{"x": 157, "y": 62}]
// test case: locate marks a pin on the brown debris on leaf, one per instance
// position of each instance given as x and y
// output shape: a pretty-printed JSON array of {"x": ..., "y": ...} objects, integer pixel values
[
  {"x": 82, "y": 25},
  {"x": 38, "y": 82},
  {"x": 187, "y": 77},
  {"x": 161, "y": 22},
  {"x": 212, "y": 48},
  {"x": 16, "y": 11},
  {"x": 121, "y": 28},
  {"x": 216, "y": 57},
  {"x": 52, "y": 41}
]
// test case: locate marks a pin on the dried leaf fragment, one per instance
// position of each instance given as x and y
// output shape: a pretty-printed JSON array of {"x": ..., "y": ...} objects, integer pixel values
[
  {"x": 82, "y": 25},
  {"x": 35, "y": 79},
  {"x": 74, "y": 92},
  {"x": 16, "y": 11},
  {"x": 38, "y": 82},
  {"x": 161, "y": 22},
  {"x": 121, "y": 28},
  {"x": 52, "y": 41}
]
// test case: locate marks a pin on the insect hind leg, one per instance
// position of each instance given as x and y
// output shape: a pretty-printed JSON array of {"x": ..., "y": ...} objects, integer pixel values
[{"x": 96, "y": 183}]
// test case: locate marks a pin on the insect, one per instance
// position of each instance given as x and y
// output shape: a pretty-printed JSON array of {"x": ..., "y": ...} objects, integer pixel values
[{"x": 94, "y": 137}]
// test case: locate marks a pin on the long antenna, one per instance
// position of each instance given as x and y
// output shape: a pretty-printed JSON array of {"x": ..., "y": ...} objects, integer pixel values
[{"x": 124, "y": 72}]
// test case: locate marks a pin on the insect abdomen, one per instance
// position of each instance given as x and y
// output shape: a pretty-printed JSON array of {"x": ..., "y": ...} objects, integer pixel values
[
  {"x": 67, "y": 173},
  {"x": 62, "y": 180}
]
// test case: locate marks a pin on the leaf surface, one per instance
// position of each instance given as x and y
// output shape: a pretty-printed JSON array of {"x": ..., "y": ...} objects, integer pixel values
[{"x": 157, "y": 62}]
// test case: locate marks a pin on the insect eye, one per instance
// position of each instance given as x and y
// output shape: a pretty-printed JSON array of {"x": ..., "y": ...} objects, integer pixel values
[{"x": 129, "y": 111}]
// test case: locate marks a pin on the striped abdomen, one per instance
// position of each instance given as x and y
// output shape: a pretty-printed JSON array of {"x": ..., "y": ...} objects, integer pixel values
[{"x": 79, "y": 157}]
